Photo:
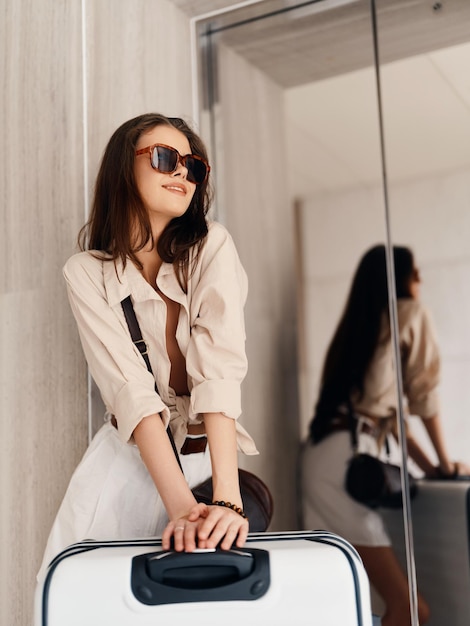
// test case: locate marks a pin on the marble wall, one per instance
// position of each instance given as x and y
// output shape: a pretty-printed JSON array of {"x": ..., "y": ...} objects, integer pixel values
[
  {"x": 255, "y": 204},
  {"x": 43, "y": 378},
  {"x": 132, "y": 66}
]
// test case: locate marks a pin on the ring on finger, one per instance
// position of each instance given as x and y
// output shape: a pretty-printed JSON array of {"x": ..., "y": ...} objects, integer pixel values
[{"x": 179, "y": 528}]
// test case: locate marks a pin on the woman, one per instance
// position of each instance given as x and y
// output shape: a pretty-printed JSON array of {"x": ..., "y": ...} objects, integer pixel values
[
  {"x": 358, "y": 373},
  {"x": 148, "y": 237}
]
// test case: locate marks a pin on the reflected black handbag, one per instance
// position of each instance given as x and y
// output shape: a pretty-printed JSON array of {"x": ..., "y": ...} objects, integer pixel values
[
  {"x": 376, "y": 483},
  {"x": 257, "y": 499},
  {"x": 373, "y": 482}
]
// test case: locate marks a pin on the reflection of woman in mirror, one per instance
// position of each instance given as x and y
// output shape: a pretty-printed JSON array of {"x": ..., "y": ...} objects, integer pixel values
[
  {"x": 148, "y": 237},
  {"x": 358, "y": 372}
]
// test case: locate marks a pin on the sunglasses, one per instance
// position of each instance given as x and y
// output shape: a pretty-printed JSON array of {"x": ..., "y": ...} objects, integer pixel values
[{"x": 165, "y": 159}]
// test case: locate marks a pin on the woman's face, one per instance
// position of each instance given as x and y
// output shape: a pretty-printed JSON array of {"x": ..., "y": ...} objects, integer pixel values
[
  {"x": 415, "y": 284},
  {"x": 165, "y": 196}
]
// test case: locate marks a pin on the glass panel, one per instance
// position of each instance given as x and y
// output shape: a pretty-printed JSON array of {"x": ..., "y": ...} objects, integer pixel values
[
  {"x": 289, "y": 106},
  {"x": 425, "y": 56}
]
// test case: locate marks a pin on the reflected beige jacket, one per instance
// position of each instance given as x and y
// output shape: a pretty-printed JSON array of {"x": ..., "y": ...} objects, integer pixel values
[
  {"x": 210, "y": 334},
  {"x": 420, "y": 366}
]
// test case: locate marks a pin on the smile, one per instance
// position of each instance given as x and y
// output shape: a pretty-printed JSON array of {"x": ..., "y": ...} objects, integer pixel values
[{"x": 176, "y": 188}]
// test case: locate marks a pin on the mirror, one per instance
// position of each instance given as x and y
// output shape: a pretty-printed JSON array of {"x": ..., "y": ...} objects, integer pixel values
[
  {"x": 426, "y": 104},
  {"x": 279, "y": 123},
  {"x": 289, "y": 104},
  {"x": 308, "y": 72},
  {"x": 427, "y": 134}
]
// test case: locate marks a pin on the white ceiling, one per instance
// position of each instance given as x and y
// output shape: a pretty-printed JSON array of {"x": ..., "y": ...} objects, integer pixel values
[
  {"x": 333, "y": 124},
  {"x": 333, "y": 37},
  {"x": 323, "y": 57}
]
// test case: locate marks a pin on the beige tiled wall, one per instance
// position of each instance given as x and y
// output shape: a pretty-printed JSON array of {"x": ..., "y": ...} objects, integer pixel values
[
  {"x": 137, "y": 60},
  {"x": 43, "y": 380}
]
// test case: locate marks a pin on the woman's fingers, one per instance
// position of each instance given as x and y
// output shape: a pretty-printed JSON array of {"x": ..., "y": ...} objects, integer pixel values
[
  {"x": 206, "y": 527},
  {"x": 222, "y": 526},
  {"x": 167, "y": 535},
  {"x": 462, "y": 469},
  {"x": 199, "y": 510},
  {"x": 178, "y": 537},
  {"x": 242, "y": 534},
  {"x": 236, "y": 534},
  {"x": 183, "y": 532}
]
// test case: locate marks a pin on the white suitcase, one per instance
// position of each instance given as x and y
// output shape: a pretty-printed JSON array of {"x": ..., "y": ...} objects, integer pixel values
[{"x": 277, "y": 579}]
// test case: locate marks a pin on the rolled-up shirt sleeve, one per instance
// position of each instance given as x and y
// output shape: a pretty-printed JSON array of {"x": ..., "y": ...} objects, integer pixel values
[
  {"x": 126, "y": 386},
  {"x": 421, "y": 364},
  {"x": 216, "y": 359}
]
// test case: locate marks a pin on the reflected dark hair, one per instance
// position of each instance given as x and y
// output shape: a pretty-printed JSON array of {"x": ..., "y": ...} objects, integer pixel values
[
  {"x": 355, "y": 340},
  {"x": 117, "y": 206}
]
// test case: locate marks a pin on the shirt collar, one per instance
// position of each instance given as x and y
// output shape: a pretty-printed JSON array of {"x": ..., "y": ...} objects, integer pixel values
[
  {"x": 168, "y": 283},
  {"x": 120, "y": 283}
]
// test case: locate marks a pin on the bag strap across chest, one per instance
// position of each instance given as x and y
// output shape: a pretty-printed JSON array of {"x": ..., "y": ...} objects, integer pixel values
[{"x": 141, "y": 345}]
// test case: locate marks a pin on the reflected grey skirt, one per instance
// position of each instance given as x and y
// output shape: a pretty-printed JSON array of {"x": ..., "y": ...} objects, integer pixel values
[{"x": 325, "y": 503}]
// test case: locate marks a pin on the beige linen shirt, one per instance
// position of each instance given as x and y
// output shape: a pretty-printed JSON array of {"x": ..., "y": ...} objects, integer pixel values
[
  {"x": 420, "y": 366},
  {"x": 210, "y": 334}
]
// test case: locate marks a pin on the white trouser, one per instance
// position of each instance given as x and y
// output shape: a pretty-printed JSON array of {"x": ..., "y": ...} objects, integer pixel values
[{"x": 111, "y": 495}]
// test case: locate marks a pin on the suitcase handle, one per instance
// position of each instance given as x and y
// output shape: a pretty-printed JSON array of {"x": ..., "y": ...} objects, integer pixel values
[{"x": 169, "y": 577}]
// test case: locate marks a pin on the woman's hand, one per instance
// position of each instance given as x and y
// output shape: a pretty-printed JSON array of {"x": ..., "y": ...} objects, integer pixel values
[
  {"x": 454, "y": 469},
  {"x": 448, "y": 471},
  {"x": 222, "y": 525},
  {"x": 209, "y": 526},
  {"x": 433, "y": 472},
  {"x": 206, "y": 527},
  {"x": 184, "y": 529},
  {"x": 463, "y": 469}
]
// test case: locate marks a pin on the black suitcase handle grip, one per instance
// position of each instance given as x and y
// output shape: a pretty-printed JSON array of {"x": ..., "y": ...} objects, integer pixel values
[{"x": 203, "y": 576}]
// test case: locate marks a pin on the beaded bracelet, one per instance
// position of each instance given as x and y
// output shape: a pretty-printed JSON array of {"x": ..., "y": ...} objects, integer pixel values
[{"x": 229, "y": 505}]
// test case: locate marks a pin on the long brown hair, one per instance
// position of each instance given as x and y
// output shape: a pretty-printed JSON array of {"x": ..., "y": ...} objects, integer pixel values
[
  {"x": 117, "y": 204},
  {"x": 356, "y": 337}
]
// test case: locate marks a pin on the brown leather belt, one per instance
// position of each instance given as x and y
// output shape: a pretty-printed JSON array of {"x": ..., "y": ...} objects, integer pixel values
[
  {"x": 342, "y": 423},
  {"x": 194, "y": 445},
  {"x": 191, "y": 445}
]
